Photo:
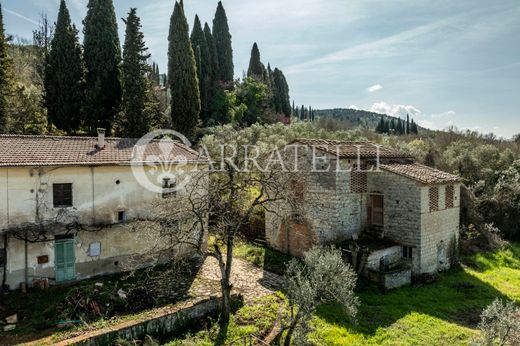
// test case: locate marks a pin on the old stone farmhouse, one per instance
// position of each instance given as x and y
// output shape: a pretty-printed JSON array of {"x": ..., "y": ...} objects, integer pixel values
[
  {"x": 72, "y": 208},
  {"x": 358, "y": 192}
]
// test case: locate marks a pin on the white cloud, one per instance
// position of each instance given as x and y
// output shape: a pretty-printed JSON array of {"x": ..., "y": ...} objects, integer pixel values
[
  {"x": 427, "y": 124},
  {"x": 449, "y": 113},
  {"x": 394, "y": 110},
  {"x": 374, "y": 88},
  {"x": 353, "y": 107}
]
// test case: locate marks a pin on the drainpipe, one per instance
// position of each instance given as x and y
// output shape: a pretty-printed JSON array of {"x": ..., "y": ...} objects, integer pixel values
[
  {"x": 26, "y": 263},
  {"x": 4, "y": 276}
]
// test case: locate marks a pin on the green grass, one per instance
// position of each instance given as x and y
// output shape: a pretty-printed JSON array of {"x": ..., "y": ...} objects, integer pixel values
[
  {"x": 266, "y": 258},
  {"x": 443, "y": 313},
  {"x": 256, "y": 318}
]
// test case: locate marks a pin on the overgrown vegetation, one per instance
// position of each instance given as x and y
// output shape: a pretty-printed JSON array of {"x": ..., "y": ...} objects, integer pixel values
[
  {"x": 94, "y": 302},
  {"x": 253, "y": 320},
  {"x": 446, "y": 312}
]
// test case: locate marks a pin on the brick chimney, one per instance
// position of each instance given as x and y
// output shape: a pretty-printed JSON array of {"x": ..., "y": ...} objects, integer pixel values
[{"x": 101, "y": 139}]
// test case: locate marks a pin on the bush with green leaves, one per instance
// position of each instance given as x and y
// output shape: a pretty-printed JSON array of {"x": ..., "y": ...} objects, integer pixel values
[
  {"x": 323, "y": 276},
  {"x": 500, "y": 324}
]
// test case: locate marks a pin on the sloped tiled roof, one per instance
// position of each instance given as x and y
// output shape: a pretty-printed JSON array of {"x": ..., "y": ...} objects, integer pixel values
[
  {"x": 350, "y": 149},
  {"x": 420, "y": 173},
  {"x": 17, "y": 150}
]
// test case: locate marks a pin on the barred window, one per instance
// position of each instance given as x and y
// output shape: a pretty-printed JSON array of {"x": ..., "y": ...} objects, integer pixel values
[
  {"x": 62, "y": 195},
  {"x": 450, "y": 193},
  {"x": 407, "y": 252},
  {"x": 434, "y": 198},
  {"x": 169, "y": 186},
  {"x": 358, "y": 179}
]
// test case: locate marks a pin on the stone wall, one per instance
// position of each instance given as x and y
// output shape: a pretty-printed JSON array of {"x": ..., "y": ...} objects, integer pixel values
[
  {"x": 439, "y": 231},
  {"x": 166, "y": 324},
  {"x": 330, "y": 212},
  {"x": 327, "y": 208},
  {"x": 402, "y": 210}
]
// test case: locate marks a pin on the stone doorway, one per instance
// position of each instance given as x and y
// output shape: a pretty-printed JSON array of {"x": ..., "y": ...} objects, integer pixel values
[
  {"x": 296, "y": 237},
  {"x": 376, "y": 212}
]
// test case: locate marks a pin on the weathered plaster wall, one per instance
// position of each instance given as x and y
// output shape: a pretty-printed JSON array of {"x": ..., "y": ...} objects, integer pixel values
[
  {"x": 97, "y": 199},
  {"x": 391, "y": 255}
]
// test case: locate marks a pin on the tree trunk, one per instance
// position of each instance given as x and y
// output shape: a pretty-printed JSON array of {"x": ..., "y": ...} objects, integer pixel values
[{"x": 288, "y": 337}]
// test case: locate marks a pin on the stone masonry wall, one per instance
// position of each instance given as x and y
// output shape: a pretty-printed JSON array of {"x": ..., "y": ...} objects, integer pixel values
[
  {"x": 328, "y": 209},
  {"x": 402, "y": 210},
  {"x": 439, "y": 231}
]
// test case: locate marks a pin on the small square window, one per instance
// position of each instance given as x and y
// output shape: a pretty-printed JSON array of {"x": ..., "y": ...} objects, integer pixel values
[
  {"x": 62, "y": 195},
  {"x": 407, "y": 252},
  {"x": 168, "y": 188}
]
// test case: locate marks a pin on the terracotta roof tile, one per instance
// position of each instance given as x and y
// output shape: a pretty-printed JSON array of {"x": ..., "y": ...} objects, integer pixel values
[
  {"x": 420, "y": 173},
  {"x": 351, "y": 149},
  {"x": 17, "y": 150}
]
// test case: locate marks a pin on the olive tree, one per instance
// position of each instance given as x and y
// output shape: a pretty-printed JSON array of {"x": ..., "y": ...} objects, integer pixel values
[
  {"x": 323, "y": 276},
  {"x": 500, "y": 324}
]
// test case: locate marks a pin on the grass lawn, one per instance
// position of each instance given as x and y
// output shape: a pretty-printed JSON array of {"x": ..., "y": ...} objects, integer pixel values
[{"x": 443, "y": 313}]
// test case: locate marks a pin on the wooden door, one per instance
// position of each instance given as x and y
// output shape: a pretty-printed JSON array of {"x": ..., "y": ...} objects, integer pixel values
[{"x": 376, "y": 210}]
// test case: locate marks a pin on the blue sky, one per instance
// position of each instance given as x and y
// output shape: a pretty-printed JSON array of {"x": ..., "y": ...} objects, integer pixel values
[{"x": 445, "y": 62}]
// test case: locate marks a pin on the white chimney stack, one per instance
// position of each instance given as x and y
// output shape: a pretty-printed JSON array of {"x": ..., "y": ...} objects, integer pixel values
[{"x": 101, "y": 138}]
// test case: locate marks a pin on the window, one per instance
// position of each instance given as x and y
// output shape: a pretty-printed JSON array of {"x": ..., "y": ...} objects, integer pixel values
[
  {"x": 434, "y": 198},
  {"x": 2, "y": 256},
  {"x": 407, "y": 252},
  {"x": 450, "y": 193},
  {"x": 62, "y": 195},
  {"x": 168, "y": 188},
  {"x": 358, "y": 179},
  {"x": 121, "y": 216},
  {"x": 376, "y": 213}
]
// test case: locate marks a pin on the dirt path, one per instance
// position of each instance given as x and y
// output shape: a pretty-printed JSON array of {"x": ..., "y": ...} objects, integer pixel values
[{"x": 247, "y": 279}]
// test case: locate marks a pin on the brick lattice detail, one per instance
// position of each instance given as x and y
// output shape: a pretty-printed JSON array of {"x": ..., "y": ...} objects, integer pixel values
[
  {"x": 358, "y": 180},
  {"x": 434, "y": 198},
  {"x": 450, "y": 193}
]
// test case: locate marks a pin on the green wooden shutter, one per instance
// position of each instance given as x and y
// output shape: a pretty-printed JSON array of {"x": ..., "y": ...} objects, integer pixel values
[{"x": 65, "y": 260}]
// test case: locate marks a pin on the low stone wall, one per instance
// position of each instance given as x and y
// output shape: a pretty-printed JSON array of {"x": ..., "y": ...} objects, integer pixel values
[
  {"x": 169, "y": 322},
  {"x": 392, "y": 279}
]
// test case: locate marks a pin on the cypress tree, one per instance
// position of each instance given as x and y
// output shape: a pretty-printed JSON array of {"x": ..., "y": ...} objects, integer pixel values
[
  {"x": 6, "y": 77},
  {"x": 64, "y": 76},
  {"x": 213, "y": 68},
  {"x": 203, "y": 61},
  {"x": 102, "y": 54},
  {"x": 182, "y": 75},
  {"x": 407, "y": 124},
  {"x": 399, "y": 129},
  {"x": 280, "y": 89},
  {"x": 137, "y": 88},
  {"x": 381, "y": 126},
  {"x": 222, "y": 38},
  {"x": 256, "y": 68}
]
